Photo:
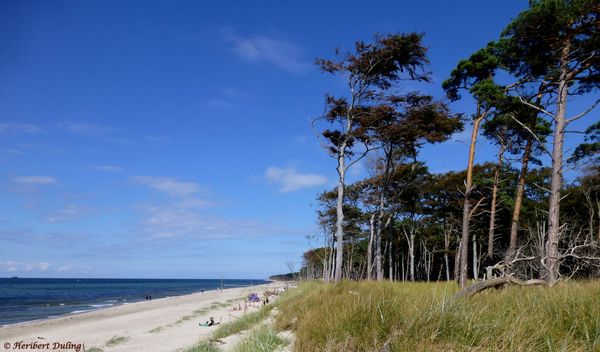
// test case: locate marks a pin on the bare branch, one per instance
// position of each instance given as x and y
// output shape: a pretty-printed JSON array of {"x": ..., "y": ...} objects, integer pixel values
[
  {"x": 533, "y": 134},
  {"x": 578, "y": 116},
  {"x": 536, "y": 107}
]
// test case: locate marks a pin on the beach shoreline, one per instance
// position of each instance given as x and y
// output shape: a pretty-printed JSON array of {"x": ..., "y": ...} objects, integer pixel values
[{"x": 164, "y": 324}]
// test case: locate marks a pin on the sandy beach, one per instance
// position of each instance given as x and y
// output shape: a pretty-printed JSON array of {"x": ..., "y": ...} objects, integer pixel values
[{"x": 169, "y": 324}]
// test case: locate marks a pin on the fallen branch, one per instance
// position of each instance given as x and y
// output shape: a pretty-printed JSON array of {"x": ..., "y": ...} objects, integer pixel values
[{"x": 496, "y": 283}]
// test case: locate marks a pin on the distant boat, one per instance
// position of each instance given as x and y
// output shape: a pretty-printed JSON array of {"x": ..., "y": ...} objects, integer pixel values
[{"x": 14, "y": 277}]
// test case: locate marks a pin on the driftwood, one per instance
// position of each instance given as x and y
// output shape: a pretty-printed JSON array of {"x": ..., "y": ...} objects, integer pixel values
[{"x": 496, "y": 283}]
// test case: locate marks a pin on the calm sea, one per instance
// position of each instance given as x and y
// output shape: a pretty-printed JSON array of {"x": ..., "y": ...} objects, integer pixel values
[{"x": 30, "y": 299}]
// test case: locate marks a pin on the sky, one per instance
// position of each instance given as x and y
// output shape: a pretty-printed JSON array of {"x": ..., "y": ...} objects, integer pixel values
[{"x": 172, "y": 139}]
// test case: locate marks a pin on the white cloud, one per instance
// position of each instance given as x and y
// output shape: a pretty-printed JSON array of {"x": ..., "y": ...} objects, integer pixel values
[
  {"x": 18, "y": 128},
  {"x": 68, "y": 213},
  {"x": 169, "y": 186},
  {"x": 35, "y": 180},
  {"x": 108, "y": 168},
  {"x": 87, "y": 129},
  {"x": 11, "y": 266},
  {"x": 65, "y": 268},
  {"x": 229, "y": 98},
  {"x": 104, "y": 133},
  {"x": 291, "y": 180},
  {"x": 186, "y": 220},
  {"x": 265, "y": 49},
  {"x": 12, "y": 151}
]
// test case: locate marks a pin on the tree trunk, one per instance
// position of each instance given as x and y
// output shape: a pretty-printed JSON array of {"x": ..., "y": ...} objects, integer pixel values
[
  {"x": 339, "y": 225},
  {"x": 390, "y": 264},
  {"x": 475, "y": 259},
  {"x": 446, "y": 249},
  {"x": 514, "y": 228},
  {"x": 370, "y": 248},
  {"x": 490, "y": 249},
  {"x": 378, "y": 265},
  {"x": 560, "y": 123},
  {"x": 410, "y": 238},
  {"x": 495, "y": 283},
  {"x": 403, "y": 274},
  {"x": 457, "y": 260},
  {"x": 331, "y": 262},
  {"x": 380, "y": 226},
  {"x": 464, "y": 240}
]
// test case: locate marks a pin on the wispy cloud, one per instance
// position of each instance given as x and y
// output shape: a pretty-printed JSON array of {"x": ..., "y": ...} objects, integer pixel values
[
  {"x": 18, "y": 128},
  {"x": 108, "y": 168},
  {"x": 35, "y": 180},
  {"x": 92, "y": 130},
  {"x": 185, "y": 221},
  {"x": 168, "y": 186},
  {"x": 68, "y": 213},
  {"x": 11, "y": 266},
  {"x": 156, "y": 139},
  {"x": 228, "y": 98},
  {"x": 12, "y": 151},
  {"x": 291, "y": 180},
  {"x": 26, "y": 236},
  {"x": 265, "y": 49}
]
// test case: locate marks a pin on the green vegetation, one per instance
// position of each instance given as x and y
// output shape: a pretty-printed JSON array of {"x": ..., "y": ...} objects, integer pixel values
[
  {"x": 363, "y": 316},
  {"x": 245, "y": 322},
  {"x": 115, "y": 340},
  {"x": 200, "y": 311},
  {"x": 156, "y": 329},
  {"x": 95, "y": 349},
  {"x": 284, "y": 277},
  {"x": 262, "y": 339},
  {"x": 203, "y": 346}
]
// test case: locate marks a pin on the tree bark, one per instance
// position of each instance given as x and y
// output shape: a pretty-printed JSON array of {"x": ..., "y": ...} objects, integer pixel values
[
  {"x": 380, "y": 226},
  {"x": 560, "y": 123},
  {"x": 490, "y": 249},
  {"x": 514, "y": 227},
  {"x": 475, "y": 259},
  {"x": 495, "y": 283},
  {"x": 370, "y": 248},
  {"x": 464, "y": 240},
  {"x": 410, "y": 238},
  {"x": 378, "y": 265},
  {"x": 339, "y": 225},
  {"x": 446, "y": 249},
  {"x": 390, "y": 264}
]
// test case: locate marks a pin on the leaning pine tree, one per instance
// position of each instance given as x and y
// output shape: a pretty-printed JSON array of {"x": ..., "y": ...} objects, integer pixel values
[
  {"x": 553, "y": 49},
  {"x": 370, "y": 72}
]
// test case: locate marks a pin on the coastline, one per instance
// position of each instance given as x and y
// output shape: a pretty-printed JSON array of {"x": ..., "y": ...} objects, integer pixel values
[{"x": 164, "y": 324}]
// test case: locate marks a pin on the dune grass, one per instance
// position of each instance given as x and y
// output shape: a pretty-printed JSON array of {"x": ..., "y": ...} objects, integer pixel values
[
  {"x": 363, "y": 316},
  {"x": 115, "y": 340},
  {"x": 245, "y": 322},
  {"x": 262, "y": 339},
  {"x": 203, "y": 346}
]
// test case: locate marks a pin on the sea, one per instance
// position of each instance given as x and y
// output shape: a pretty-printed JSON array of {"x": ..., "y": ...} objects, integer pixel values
[{"x": 25, "y": 299}]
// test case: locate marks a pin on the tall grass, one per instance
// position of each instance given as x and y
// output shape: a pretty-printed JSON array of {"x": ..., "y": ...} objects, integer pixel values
[
  {"x": 363, "y": 316},
  {"x": 203, "y": 346},
  {"x": 262, "y": 339},
  {"x": 245, "y": 322}
]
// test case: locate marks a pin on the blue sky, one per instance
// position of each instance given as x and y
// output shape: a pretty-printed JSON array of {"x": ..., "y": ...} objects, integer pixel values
[{"x": 172, "y": 138}]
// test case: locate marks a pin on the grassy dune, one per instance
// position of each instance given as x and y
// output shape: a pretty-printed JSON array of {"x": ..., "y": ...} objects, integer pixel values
[{"x": 363, "y": 316}]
